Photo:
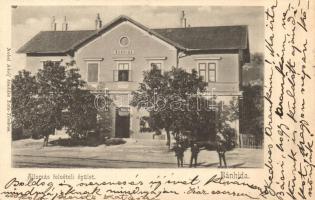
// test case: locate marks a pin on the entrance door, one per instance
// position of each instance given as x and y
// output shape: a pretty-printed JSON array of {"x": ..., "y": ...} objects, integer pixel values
[
  {"x": 206, "y": 131},
  {"x": 122, "y": 124}
]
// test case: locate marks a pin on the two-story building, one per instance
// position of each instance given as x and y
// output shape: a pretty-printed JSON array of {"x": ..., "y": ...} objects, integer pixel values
[{"x": 115, "y": 55}]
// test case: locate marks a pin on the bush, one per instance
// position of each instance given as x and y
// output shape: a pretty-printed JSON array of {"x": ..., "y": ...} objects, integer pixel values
[
  {"x": 68, "y": 142},
  {"x": 17, "y": 133},
  {"x": 93, "y": 139},
  {"x": 229, "y": 134},
  {"x": 114, "y": 141}
]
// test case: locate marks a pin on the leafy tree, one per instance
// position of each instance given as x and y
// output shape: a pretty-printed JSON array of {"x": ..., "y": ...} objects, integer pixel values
[
  {"x": 257, "y": 59},
  {"x": 24, "y": 89},
  {"x": 105, "y": 109},
  {"x": 251, "y": 111},
  {"x": 51, "y": 100},
  {"x": 253, "y": 71},
  {"x": 165, "y": 96},
  {"x": 175, "y": 103},
  {"x": 80, "y": 116}
]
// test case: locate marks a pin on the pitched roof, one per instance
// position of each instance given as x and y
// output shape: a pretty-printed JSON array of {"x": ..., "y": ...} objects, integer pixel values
[
  {"x": 55, "y": 41},
  {"x": 207, "y": 38},
  {"x": 123, "y": 18},
  {"x": 192, "y": 38}
]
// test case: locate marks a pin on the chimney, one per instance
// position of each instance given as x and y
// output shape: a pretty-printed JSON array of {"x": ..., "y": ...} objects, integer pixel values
[
  {"x": 98, "y": 22},
  {"x": 53, "y": 24},
  {"x": 183, "y": 20},
  {"x": 65, "y": 24}
]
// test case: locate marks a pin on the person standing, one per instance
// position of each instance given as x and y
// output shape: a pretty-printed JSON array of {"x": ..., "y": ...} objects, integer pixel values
[
  {"x": 221, "y": 148},
  {"x": 194, "y": 154},
  {"x": 179, "y": 153}
]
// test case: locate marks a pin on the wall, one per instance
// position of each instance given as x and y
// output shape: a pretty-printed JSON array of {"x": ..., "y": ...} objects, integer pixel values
[
  {"x": 141, "y": 46},
  {"x": 227, "y": 76},
  {"x": 33, "y": 63}
]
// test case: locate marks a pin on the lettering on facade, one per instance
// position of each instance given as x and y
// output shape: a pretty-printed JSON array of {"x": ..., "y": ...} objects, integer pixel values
[{"x": 123, "y": 52}]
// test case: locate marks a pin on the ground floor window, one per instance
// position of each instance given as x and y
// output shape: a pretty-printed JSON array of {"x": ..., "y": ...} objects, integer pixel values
[
  {"x": 51, "y": 62},
  {"x": 211, "y": 72},
  {"x": 202, "y": 71},
  {"x": 156, "y": 64},
  {"x": 207, "y": 71}
]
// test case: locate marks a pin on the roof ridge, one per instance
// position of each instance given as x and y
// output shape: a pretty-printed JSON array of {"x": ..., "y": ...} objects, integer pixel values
[
  {"x": 123, "y": 17},
  {"x": 69, "y": 30},
  {"x": 202, "y": 27}
]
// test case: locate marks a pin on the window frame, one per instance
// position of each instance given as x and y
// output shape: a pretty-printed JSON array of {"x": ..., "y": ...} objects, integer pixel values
[
  {"x": 117, "y": 68},
  {"x": 155, "y": 62},
  {"x": 120, "y": 38},
  {"x": 212, "y": 70},
  {"x": 208, "y": 70},
  {"x": 98, "y": 71},
  {"x": 205, "y": 70},
  {"x": 51, "y": 60}
]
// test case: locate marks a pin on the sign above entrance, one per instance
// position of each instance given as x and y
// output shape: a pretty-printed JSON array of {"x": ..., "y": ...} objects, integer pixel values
[
  {"x": 123, "y": 111},
  {"x": 123, "y": 52}
]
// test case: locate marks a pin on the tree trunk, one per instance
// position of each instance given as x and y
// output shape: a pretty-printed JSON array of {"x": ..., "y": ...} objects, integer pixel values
[{"x": 168, "y": 136}]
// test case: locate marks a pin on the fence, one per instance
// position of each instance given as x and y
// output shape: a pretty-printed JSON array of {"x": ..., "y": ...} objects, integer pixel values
[{"x": 250, "y": 141}]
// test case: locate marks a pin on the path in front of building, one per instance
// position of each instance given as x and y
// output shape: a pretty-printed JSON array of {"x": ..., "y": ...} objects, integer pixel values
[{"x": 133, "y": 154}]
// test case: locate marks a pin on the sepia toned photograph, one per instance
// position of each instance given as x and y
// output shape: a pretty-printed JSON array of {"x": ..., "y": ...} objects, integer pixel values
[{"x": 137, "y": 87}]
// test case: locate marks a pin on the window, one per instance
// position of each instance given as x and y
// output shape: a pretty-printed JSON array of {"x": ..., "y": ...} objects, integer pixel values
[
  {"x": 93, "y": 72},
  {"x": 124, "y": 41},
  {"x": 123, "y": 72},
  {"x": 202, "y": 71},
  {"x": 207, "y": 71},
  {"x": 211, "y": 72},
  {"x": 157, "y": 65},
  {"x": 51, "y": 63}
]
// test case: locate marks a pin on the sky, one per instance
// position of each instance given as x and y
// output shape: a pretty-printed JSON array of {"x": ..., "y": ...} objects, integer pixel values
[{"x": 27, "y": 21}]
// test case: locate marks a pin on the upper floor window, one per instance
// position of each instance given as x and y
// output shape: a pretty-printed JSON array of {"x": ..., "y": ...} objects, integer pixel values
[
  {"x": 93, "y": 71},
  {"x": 123, "y": 72},
  {"x": 207, "y": 71}
]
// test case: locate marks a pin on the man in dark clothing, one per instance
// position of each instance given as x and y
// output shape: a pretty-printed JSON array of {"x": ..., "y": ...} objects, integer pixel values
[
  {"x": 194, "y": 154},
  {"x": 221, "y": 148},
  {"x": 179, "y": 153}
]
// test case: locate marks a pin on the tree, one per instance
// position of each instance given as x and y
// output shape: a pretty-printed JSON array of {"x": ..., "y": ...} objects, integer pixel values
[
  {"x": 166, "y": 97},
  {"x": 52, "y": 97},
  {"x": 80, "y": 116},
  {"x": 253, "y": 71},
  {"x": 251, "y": 111},
  {"x": 24, "y": 89},
  {"x": 51, "y": 100}
]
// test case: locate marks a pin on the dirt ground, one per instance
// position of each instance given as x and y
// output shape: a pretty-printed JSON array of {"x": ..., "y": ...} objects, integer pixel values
[{"x": 133, "y": 154}]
